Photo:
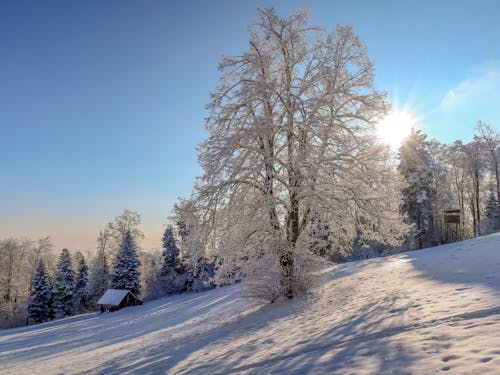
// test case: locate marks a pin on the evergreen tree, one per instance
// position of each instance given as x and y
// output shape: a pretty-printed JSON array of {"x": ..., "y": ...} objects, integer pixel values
[
  {"x": 414, "y": 165},
  {"x": 40, "y": 303},
  {"x": 170, "y": 252},
  {"x": 125, "y": 274},
  {"x": 202, "y": 274},
  {"x": 81, "y": 292},
  {"x": 491, "y": 213},
  {"x": 172, "y": 267},
  {"x": 64, "y": 286},
  {"x": 320, "y": 243}
]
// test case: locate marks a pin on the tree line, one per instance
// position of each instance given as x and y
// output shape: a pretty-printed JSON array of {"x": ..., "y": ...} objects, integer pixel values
[
  {"x": 38, "y": 286},
  {"x": 463, "y": 177}
]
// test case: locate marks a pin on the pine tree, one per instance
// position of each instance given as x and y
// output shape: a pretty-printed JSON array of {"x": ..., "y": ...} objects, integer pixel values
[
  {"x": 125, "y": 274},
  {"x": 418, "y": 194},
  {"x": 202, "y": 275},
  {"x": 320, "y": 243},
  {"x": 172, "y": 267},
  {"x": 170, "y": 252},
  {"x": 40, "y": 303},
  {"x": 491, "y": 213},
  {"x": 64, "y": 286},
  {"x": 81, "y": 292}
]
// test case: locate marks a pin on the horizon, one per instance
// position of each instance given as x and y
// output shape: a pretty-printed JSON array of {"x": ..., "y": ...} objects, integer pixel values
[{"x": 103, "y": 103}]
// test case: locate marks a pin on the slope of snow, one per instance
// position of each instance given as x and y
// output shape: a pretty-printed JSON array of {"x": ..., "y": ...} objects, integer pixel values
[{"x": 422, "y": 312}]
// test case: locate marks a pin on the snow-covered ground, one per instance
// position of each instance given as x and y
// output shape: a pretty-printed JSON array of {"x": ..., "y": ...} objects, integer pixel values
[{"x": 422, "y": 312}]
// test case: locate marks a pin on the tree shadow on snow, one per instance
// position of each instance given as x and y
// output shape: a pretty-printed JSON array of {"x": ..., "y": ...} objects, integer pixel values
[
  {"x": 357, "y": 342},
  {"x": 94, "y": 332},
  {"x": 165, "y": 357}
]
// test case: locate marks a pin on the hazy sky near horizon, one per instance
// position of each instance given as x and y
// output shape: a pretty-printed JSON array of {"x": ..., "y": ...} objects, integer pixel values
[{"x": 102, "y": 102}]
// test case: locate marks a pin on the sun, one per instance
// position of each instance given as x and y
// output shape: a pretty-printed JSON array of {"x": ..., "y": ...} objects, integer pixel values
[{"x": 395, "y": 127}]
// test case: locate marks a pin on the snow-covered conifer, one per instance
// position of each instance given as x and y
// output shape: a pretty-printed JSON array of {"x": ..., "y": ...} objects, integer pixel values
[
  {"x": 414, "y": 166},
  {"x": 40, "y": 302},
  {"x": 170, "y": 252},
  {"x": 491, "y": 213},
  {"x": 81, "y": 291},
  {"x": 202, "y": 275},
  {"x": 64, "y": 286},
  {"x": 126, "y": 273},
  {"x": 172, "y": 268}
]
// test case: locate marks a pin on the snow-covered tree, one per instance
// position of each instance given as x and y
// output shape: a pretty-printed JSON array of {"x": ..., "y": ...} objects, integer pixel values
[
  {"x": 202, "y": 275},
  {"x": 128, "y": 221},
  {"x": 490, "y": 139},
  {"x": 170, "y": 252},
  {"x": 320, "y": 234},
  {"x": 19, "y": 259},
  {"x": 81, "y": 299},
  {"x": 151, "y": 280},
  {"x": 491, "y": 213},
  {"x": 475, "y": 165},
  {"x": 14, "y": 281},
  {"x": 414, "y": 165},
  {"x": 197, "y": 271},
  {"x": 171, "y": 271},
  {"x": 40, "y": 302},
  {"x": 126, "y": 273},
  {"x": 63, "y": 288},
  {"x": 99, "y": 270},
  {"x": 291, "y": 137}
]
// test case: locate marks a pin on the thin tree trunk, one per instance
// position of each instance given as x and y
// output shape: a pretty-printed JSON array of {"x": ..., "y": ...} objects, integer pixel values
[
  {"x": 474, "y": 218},
  {"x": 497, "y": 177},
  {"x": 478, "y": 210}
]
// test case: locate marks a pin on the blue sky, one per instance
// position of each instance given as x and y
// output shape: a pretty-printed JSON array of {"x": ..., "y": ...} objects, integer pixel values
[{"x": 102, "y": 102}]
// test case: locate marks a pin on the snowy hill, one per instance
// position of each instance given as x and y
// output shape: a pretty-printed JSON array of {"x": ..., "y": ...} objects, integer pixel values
[{"x": 422, "y": 312}]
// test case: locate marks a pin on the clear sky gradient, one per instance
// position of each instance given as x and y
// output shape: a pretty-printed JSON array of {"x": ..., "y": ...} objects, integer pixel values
[{"x": 102, "y": 102}]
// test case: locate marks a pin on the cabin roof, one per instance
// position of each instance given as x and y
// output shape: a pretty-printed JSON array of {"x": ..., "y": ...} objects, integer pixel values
[{"x": 113, "y": 297}]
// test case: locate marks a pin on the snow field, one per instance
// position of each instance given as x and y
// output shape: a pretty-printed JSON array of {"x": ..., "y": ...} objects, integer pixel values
[{"x": 430, "y": 311}]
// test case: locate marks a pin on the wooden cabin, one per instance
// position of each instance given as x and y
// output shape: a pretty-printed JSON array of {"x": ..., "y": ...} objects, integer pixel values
[{"x": 115, "y": 299}]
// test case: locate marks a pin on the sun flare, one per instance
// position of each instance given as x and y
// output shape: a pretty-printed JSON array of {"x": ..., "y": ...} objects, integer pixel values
[{"x": 394, "y": 128}]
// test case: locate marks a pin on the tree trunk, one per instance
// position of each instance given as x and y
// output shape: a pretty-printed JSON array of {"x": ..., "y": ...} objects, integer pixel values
[
  {"x": 478, "y": 209},
  {"x": 497, "y": 177},
  {"x": 474, "y": 217}
]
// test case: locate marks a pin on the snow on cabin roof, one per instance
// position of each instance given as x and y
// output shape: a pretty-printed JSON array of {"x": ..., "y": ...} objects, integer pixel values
[{"x": 112, "y": 297}]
